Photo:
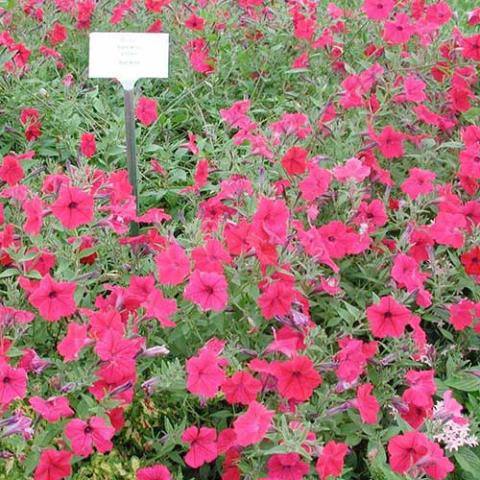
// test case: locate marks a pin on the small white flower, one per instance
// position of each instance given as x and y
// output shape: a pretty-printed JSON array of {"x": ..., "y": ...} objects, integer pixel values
[{"x": 452, "y": 433}]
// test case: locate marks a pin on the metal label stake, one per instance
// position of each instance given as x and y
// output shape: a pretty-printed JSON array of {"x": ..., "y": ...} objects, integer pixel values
[
  {"x": 129, "y": 101},
  {"x": 128, "y": 57}
]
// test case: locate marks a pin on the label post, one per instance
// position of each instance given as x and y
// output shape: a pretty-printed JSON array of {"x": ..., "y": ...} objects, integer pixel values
[{"x": 128, "y": 57}]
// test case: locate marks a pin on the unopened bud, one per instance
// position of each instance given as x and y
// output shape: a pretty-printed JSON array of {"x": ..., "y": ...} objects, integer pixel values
[{"x": 157, "y": 351}]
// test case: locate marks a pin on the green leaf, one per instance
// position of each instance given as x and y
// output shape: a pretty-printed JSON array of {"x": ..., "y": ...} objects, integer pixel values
[
  {"x": 7, "y": 4},
  {"x": 471, "y": 115},
  {"x": 468, "y": 460},
  {"x": 457, "y": 145},
  {"x": 32, "y": 460},
  {"x": 464, "y": 382},
  {"x": 9, "y": 272}
]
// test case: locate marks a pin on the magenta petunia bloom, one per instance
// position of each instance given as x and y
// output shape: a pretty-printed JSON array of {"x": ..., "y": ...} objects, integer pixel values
[
  {"x": 73, "y": 207},
  {"x": 330, "y": 462},
  {"x": 388, "y": 318},
  {"x": 13, "y": 384},
  {"x": 203, "y": 446},
  {"x": 54, "y": 300},
  {"x": 155, "y": 472},
  {"x": 53, "y": 465},
  {"x": 85, "y": 435},
  {"x": 252, "y": 426},
  {"x": 146, "y": 111},
  {"x": 208, "y": 290}
]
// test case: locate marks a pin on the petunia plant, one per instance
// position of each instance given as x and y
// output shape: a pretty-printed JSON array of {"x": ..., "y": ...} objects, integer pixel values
[{"x": 302, "y": 300}]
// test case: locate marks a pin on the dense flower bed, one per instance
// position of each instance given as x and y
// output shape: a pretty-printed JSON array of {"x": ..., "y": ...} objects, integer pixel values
[{"x": 303, "y": 298}]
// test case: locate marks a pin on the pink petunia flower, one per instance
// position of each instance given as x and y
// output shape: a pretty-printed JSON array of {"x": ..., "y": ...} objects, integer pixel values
[
  {"x": 389, "y": 142},
  {"x": 353, "y": 170},
  {"x": 155, "y": 472},
  {"x": 204, "y": 374},
  {"x": 367, "y": 404},
  {"x": 73, "y": 207},
  {"x": 294, "y": 161},
  {"x": 53, "y": 465},
  {"x": 276, "y": 299},
  {"x": 398, "y": 31},
  {"x": 53, "y": 300},
  {"x": 173, "y": 265},
  {"x": 330, "y": 462},
  {"x": 296, "y": 378},
  {"x": 287, "y": 466},
  {"x": 208, "y": 290},
  {"x": 315, "y": 184},
  {"x": 88, "y": 146},
  {"x": 73, "y": 342},
  {"x": 388, "y": 318},
  {"x": 84, "y": 436},
  {"x": 241, "y": 388},
  {"x": 146, "y": 111},
  {"x": 52, "y": 409},
  {"x": 419, "y": 182},
  {"x": 203, "y": 446},
  {"x": 378, "y": 9},
  {"x": 13, "y": 384},
  {"x": 271, "y": 220},
  {"x": 251, "y": 427},
  {"x": 448, "y": 229}
]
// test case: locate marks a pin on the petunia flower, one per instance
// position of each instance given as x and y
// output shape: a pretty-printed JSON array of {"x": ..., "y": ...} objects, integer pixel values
[
  {"x": 331, "y": 460},
  {"x": 146, "y": 111},
  {"x": 448, "y": 228},
  {"x": 296, "y": 378},
  {"x": 315, "y": 184},
  {"x": 53, "y": 300},
  {"x": 388, "y": 318},
  {"x": 204, "y": 374},
  {"x": 294, "y": 161},
  {"x": 419, "y": 182},
  {"x": 85, "y": 435},
  {"x": 73, "y": 207},
  {"x": 471, "y": 261},
  {"x": 203, "y": 446},
  {"x": 276, "y": 299},
  {"x": 155, "y": 472},
  {"x": 53, "y": 465},
  {"x": 11, "y": 171},
  {"x": 88, "y": 146},
  {"x": 13, "y": 384},
  {"x": 161, "y": 308},
  {"x": 353, "y": 170},
  {"x": 399, "y": 30},
  {"x": 173, "y": 265},
  {"x": 251, "y": 427},
  {"x": 389, "y": 142},
  {"x": 271, "y": 220},
  {"x": 73, "y": 342},
  {"x": 208, "y": 290},
  {"x": 367, "y": 404},
  {"x": 287, "y": 466},
  {"x": 52, "y": 409},
  {"x": 378, "y": 9},
  {"x": 241, "y": 388}
]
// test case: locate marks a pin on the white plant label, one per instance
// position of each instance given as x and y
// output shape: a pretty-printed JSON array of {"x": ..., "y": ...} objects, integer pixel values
[{"x": 128, "y": 56}]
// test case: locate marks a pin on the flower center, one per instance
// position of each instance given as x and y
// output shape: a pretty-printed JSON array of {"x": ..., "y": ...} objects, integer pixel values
[{"x": 209, "y": 289}]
